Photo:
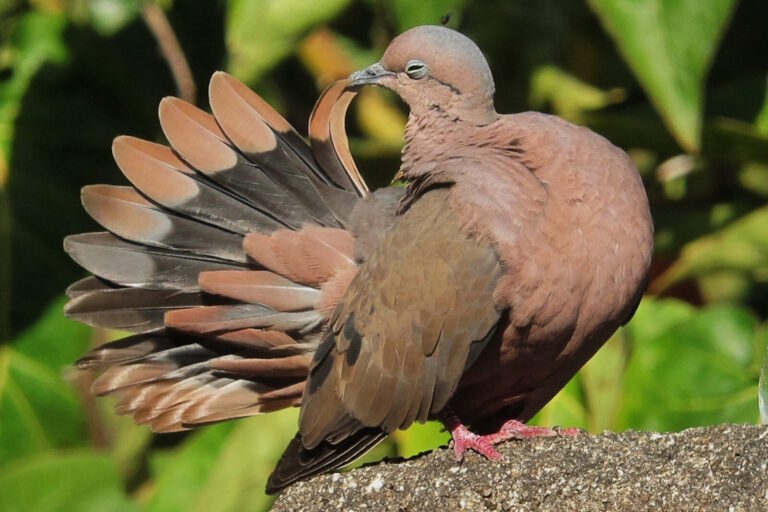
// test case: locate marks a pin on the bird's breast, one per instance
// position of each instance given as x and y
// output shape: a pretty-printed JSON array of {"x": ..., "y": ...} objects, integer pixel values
[{"x": 575, "y": 242}]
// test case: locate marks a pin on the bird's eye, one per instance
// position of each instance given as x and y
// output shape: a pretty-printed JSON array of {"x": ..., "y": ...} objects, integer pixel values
[{"x": 416, "y": 69}]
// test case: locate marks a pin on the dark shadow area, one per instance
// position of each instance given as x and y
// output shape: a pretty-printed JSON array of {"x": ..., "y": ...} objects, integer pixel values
[{"x": 68, "y": 118}]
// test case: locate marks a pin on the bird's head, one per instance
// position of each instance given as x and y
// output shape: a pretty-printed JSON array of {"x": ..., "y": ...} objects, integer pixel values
[{"x": 435, "y": 68}]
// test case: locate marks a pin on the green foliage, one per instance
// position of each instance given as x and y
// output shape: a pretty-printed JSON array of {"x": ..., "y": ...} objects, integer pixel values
[
  {"x": 409, "y": 14},
  {"x": 738, "y": 249},
  {"x": 221, "y": 468},
  {"x": 718, "y": 382},
  {"x": 105, "y": 16},
  {"x": 78, "y": 481},
  {"x": 669, "y": 45},
  {"x": 673, "y": 366},
  {"x": 260, "y": 33},
  {"x": 677, "y": 83},
  {"x": 38, "y": 412}
]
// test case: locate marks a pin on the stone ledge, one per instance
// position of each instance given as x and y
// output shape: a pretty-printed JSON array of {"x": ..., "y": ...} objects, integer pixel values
[{"x": 714, "y": 468}]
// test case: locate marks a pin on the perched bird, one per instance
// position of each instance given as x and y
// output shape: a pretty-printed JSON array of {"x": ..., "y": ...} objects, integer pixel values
[{"x": 258, "y": 272}]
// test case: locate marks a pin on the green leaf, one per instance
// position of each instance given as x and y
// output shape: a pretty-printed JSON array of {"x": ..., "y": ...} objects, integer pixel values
[
  {"x": 740, "y": 247},
  {"x": 260, "y": 33},
  {"x": 566, "y": 409},
  {"x": 127, "y": 442},
  {"x": 80, "y": 481},
  {"x": 54, "y": 341},
  {"x": 245, "y": 461},
  {"x": 601, "y": 380},
  {"x": 754, "y": 176},
  {"x": 728, "y": 139},
  {"x": 5, "y": 261},
  {"x": 178, "y": 473},
  {"x": 420, "y": 437},
  {"x": 761, "y": 122},
  {"x": 35, "y": 40},
  {"x": 669, "y": 45},
  {"x": 38, "y": 409},
  {"x": 106, "y": 17},
  {"x": 224, "y": 467},
  {"x": 109, "y": 16},
  {"x": 409, "y": 14},
  {"x": 690, "y": 367},
  {"x": 568, "y": 95}
]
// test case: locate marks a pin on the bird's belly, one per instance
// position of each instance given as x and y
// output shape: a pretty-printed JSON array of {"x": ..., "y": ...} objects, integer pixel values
[{"x": 515, "y": 380}]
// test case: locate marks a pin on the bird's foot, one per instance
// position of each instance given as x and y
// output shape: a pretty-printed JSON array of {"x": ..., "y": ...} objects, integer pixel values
[
  {"x": 463, "y": 439},
  {"x": 514, "y": 429}
]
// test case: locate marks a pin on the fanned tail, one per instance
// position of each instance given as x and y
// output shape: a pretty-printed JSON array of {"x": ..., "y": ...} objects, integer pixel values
[{"x": 223, "y": 258}]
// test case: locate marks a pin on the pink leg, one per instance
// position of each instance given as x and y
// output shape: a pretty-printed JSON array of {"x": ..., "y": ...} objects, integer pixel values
[{"x": 464, "y": 440}]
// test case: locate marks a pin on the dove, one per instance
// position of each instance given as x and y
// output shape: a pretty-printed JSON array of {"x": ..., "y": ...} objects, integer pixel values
[{"x": 257, "y": 271}]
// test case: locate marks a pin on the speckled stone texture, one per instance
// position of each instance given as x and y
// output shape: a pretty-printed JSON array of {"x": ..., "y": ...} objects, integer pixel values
[{"x": 722, "y": 468}]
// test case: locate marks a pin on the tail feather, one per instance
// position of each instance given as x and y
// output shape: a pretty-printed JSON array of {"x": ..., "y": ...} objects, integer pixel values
[
  {"x": 174, "y": 363},
  {"x": 87, "y": 285},
  {"x": 208, "y": 150},
  {"x": 216, "y": 319},
  {"x": 237, "y": 110},
  {"x": 223, "y": 259},
  {"x": 126, "y": 350},
  {"x": 137, "y": 310},
  {"x": 292, "y": 142},
  {"x": 260, "y": 287},
  {"x": 290, "y": 366},
  {"x": 127, "y": 264},
  {"x": 124, "y": 212},
  {"x": 236, "y": 399},
  {"x": 310, "y": 256},
  {"x": 161, "y": 176},
  {"x": 330, "y": 145},
  {"x": 262, "y": 340}
]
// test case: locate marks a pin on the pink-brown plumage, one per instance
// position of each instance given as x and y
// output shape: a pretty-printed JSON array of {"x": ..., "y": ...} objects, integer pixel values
[
  {"x": 272, "y": 277},
  {"x": 260, "y": 287}
]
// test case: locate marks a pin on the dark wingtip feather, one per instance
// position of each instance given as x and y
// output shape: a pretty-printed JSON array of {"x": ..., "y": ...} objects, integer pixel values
[{"x": 298, "y": 463}]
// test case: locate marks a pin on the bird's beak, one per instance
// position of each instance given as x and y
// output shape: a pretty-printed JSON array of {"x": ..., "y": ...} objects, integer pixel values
[{"x": 372, "y": 75}]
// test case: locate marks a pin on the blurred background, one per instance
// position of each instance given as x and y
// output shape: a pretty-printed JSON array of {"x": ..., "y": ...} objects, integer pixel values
[{"x": 680, "y": 84}]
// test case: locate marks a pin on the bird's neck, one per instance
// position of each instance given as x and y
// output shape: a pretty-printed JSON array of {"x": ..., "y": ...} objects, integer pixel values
[
  {"x": 430, "y": 137},
  {"x": 433, "y": 137}
]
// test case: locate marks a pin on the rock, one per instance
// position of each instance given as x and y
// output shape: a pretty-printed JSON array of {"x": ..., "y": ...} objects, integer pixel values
[{"x": 714, "y": 468}]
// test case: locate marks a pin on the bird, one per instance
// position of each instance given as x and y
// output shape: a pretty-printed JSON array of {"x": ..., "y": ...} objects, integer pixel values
[{"x": 256, "y": 271}]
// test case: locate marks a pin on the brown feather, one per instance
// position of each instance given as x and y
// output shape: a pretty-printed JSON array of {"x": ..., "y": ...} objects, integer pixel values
[
  {"x": 130, "y": 264},
  {"x": 258, "y": 339},
  {"x": 87, "y": 285},
  {"x": 238, "y": 112},
  {"x": 412, "y": 286},
  {"x": 198, "y": 139},
  {"x": 310, "y": 256},
  {"x": 213, "y": 319},
  {"x": 127, "y": 214},
  {"x": 291, "y": 366},
  {"x": 329, "y": 140},
  {"x": 160, "y": 175},
  {"x": 128, "y": 309},
  {"x": 260, "y": 287},
  {"x": 276, "y": 122},
  {"x": 124, "y": 351}
]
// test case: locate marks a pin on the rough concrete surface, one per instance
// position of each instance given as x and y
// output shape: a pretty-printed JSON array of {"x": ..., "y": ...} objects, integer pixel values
[{"x": 722, "y": 468}]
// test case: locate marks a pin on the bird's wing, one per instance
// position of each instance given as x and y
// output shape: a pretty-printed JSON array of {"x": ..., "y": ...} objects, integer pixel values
[{"x": 399, "y": 339}]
